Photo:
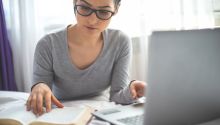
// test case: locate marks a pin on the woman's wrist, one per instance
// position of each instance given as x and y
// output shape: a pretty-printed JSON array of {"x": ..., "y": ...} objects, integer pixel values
[
  {"x": 36, "y": 85},
  {"x": 131, "y": 82}
]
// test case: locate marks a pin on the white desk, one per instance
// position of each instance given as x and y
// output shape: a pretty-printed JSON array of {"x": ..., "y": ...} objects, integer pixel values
[
  {"x": 96, "y": 102},
  {"x": 16, "y": 95}
]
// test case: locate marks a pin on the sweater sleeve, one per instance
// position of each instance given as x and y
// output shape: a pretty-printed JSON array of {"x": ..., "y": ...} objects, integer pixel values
[
  {"x": 43, "y": 66},
  {"x": 119, "y": 91}
]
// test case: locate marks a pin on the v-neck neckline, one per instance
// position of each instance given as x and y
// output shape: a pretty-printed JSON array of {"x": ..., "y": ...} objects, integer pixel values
[{"x": 68, "y": 56}]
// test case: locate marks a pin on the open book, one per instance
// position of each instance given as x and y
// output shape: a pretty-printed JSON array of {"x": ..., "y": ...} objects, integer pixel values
[{"x": 14, "y": 113}]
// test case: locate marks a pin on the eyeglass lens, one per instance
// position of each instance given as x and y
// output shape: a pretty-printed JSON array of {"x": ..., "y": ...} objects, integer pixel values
[{"x": 86, "y": 11}]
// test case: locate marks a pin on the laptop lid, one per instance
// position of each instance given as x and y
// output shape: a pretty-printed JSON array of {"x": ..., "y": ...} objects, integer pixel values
[{"x": 183, "y": 77}]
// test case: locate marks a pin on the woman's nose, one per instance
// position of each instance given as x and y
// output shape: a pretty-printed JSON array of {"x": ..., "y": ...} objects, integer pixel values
[{"x": 92, "y": 19}]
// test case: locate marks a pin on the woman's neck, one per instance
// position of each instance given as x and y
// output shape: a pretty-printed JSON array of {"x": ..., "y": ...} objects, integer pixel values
[{"x": 84, "y": 39}]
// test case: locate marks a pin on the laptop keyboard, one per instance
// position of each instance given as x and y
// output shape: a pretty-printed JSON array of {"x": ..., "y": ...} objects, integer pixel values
[{"x": 134, "y": 120}]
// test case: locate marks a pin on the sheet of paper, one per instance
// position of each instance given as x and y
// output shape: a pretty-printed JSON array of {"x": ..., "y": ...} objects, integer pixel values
[{"x": 94, "y": 104}]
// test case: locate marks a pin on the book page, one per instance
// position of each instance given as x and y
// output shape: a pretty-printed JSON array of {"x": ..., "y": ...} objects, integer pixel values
[
  {"x": 98, "y": 105},
  {"x": 66, "y": 115},
  {"x": 17, "y": 111}
]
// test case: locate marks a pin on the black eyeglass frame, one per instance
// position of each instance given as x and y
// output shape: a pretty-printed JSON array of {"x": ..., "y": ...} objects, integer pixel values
[{"x": 92, "y": 11}]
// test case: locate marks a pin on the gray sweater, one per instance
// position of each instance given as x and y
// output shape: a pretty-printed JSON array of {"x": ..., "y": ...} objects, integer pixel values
[{"x": 53, "y": 66}]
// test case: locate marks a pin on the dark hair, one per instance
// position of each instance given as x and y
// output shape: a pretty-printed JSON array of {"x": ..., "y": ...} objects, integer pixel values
[{"x": 116, "y": 2}]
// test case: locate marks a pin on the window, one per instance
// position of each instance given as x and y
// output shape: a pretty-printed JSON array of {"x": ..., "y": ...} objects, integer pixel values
[
  {"x": 54, "y": 14},
  {"x": 216, "y": 11}
]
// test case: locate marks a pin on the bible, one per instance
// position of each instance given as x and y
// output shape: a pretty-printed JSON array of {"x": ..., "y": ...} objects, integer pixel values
[{"x": 16, "y": 114}]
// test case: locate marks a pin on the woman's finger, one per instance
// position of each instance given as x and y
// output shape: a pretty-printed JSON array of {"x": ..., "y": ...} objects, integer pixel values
[
  {"x": 140, "y": 93},
  {"x": 56, "y": 101},
  {"x": 39, "y": 104},
  {"x": 33, "y": 104},
  {"x": 28, "y": 104},
  {"x": 48, "y": 101},
  {"x": 133, "y": 92}
]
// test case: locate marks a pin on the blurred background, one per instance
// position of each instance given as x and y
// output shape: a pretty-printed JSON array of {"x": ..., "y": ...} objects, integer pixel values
[{"x": 26, "y": 21}]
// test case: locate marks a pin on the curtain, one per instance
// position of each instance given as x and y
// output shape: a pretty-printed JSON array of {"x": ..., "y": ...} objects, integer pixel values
[
  {"x": 140, "y": 18},
  {"x": 29, "y": 20},
  {"x": 23, "y": 33},
  {"x": 178, "y": 14},
  {"x": 7, "y": 69},
  {"x": 150, "y": 15}
]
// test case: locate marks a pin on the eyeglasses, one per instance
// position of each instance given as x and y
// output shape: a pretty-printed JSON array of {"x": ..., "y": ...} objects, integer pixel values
[{"x": 87, "y": 11}]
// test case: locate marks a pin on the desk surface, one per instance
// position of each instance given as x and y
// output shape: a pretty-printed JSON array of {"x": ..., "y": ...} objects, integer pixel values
[
  {"x": 98, "y": 103},
  {"x": 16, "y": 95}
]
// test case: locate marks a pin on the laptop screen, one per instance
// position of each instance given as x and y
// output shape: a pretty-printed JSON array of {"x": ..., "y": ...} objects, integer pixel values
[{"x": 183, "y": 77}]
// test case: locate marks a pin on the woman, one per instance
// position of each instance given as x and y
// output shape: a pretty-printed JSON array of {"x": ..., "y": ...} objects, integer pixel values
[{"x": 83, "y": 60}]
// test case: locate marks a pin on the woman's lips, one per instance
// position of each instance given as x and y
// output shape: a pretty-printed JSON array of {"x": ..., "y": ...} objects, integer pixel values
[{"x": 90, "y": 28}]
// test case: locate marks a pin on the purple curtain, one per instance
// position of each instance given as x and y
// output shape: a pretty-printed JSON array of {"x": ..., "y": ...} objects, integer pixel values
[{"x": 6, "y": 63}]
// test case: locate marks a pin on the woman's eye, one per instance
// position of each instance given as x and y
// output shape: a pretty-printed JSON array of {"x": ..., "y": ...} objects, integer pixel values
[
  {"x": 103, "y": 12},
  {"x": 84, "y": 8}
]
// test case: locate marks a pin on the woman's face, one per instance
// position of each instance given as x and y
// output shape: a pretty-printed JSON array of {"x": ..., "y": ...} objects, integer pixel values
[{"x": 88, "y": 20}]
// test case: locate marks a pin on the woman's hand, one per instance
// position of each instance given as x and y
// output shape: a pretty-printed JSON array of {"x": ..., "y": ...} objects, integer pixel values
[
  {"x": 41, "y": 94},
  {"x": 137, "y": 88}
]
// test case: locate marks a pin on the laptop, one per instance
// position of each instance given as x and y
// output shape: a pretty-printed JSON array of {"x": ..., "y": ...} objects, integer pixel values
[
  {"x": 123, "y": 114},
  {"x": 183, "y": 80}
]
